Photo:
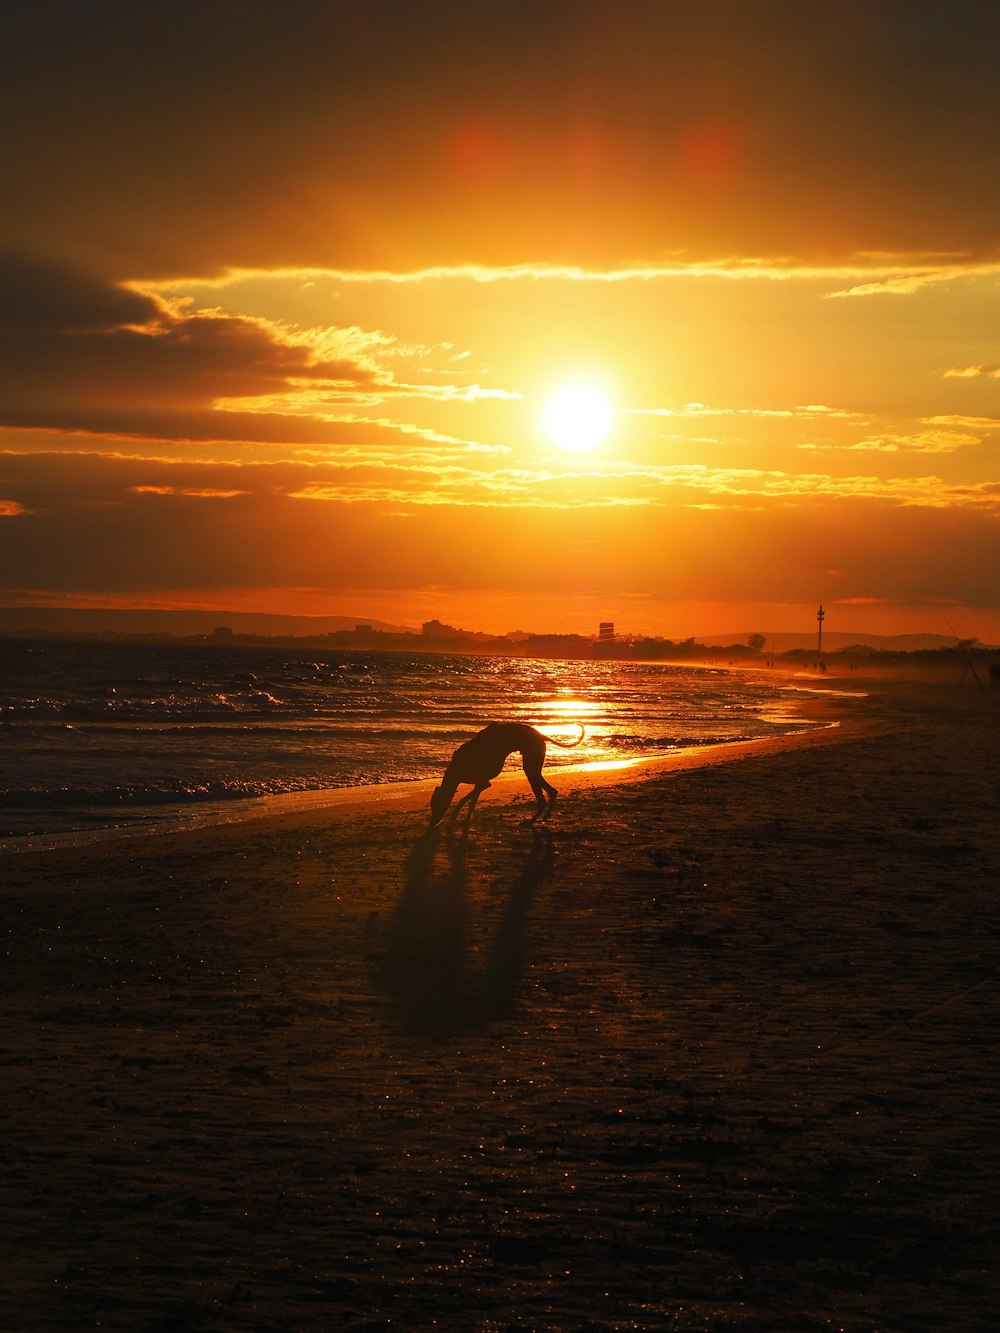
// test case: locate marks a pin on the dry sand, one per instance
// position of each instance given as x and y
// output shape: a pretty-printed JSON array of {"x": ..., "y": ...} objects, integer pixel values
[{"x": 714, "y": 1050}]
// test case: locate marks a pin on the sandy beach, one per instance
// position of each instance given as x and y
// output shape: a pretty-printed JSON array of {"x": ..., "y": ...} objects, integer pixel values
[{"x": 716, "y": 1048}]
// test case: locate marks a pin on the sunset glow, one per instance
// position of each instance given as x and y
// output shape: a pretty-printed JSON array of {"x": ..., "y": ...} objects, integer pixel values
[{"x": 381, "y": 327}]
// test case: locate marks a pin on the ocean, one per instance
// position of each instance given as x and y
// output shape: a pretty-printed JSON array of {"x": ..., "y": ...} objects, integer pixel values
[{"x": 96, "y": 736}]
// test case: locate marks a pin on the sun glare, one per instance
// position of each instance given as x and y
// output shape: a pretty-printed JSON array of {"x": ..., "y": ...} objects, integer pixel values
[{"x": 578, "y": 417}]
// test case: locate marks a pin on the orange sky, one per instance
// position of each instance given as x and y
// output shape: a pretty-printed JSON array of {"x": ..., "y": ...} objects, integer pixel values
[{"x": 284, "y": 341}]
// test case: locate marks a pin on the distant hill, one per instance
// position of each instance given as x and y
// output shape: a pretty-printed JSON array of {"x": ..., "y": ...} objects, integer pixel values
[
  {"x": 836, "y": 640},
  {"x": 94, "y": 621},
  {"x": 100, "y": 620}
]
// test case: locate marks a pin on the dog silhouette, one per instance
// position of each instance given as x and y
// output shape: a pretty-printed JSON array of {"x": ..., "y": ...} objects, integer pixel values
[{"x": 478, "y": 761}]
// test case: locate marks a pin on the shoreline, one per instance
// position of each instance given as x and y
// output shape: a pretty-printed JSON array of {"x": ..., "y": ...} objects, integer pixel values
[{"x": 341, "y": 803}]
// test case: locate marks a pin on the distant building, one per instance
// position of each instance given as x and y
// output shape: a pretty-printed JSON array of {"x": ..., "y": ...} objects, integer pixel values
[
  {"x": 606, "y": 631},
  {"x": 433, "y": 629}
]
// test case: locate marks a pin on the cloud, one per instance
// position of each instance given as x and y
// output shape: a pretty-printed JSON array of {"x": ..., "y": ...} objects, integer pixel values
[
  {"x": 919, "y": 442},
  {"x": 151, "y": 431},
  {"x": 361, "y": 478},
  {"x": 962, "y": 419},
  {"x": 128, "y": 525},
  {"x": 198, "y": 492},
  {"x": 868, "y": 274},
  {"x": 317, "y": 402},
  {"x": 37, "y": 296},
  {"x": 810, "y": 411},
  {"x": 77, "y": 353},
  {"x": 900, "y": 285}
]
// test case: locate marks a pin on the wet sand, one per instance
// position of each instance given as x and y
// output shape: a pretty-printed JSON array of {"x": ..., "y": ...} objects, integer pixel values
[{"x": 715, "y": 1049}]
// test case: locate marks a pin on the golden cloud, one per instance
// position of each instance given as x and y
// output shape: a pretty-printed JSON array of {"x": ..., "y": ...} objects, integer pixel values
[
  {"x": 920, "y": 442},
  {"x": 869, "y": 273},
  {"x": 972, "y": 372},
  {"x": 198, "y": 492}
]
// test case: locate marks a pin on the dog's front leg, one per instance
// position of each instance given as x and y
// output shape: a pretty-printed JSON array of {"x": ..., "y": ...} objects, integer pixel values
[
  {"x": 458, "y": 805},
  {"x": 473, "y": 799}
]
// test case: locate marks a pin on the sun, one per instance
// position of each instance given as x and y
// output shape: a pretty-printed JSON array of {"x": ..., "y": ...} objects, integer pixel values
[{"x": 578, "y": 417}]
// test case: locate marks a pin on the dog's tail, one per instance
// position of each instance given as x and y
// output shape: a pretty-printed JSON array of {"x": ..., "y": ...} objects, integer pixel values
[{"x": 569, "y": 745}]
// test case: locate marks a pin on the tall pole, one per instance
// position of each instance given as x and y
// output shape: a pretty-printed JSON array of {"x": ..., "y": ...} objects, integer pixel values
[{"x": 820, "y": 617}]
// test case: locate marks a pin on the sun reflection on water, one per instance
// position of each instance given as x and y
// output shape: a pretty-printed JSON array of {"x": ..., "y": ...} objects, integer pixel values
[
  {"x": 608, "y": 765},
  {"x": 574, "y": 707}
]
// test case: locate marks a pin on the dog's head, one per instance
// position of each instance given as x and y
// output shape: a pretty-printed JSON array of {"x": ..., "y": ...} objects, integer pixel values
[{"x": 440, "y": 801}]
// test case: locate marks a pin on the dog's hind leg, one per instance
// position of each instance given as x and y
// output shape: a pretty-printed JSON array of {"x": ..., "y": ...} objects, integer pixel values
[
  {"x": 545, "y": 793},
  {"x": 545, "y": 808}
]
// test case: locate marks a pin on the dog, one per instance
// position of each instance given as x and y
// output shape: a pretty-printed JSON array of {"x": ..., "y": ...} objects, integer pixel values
[{"x": 480, "y": 759}]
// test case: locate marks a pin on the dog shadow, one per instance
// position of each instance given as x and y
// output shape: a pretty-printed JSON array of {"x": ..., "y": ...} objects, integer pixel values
[{"x": 425, "y": 967}]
